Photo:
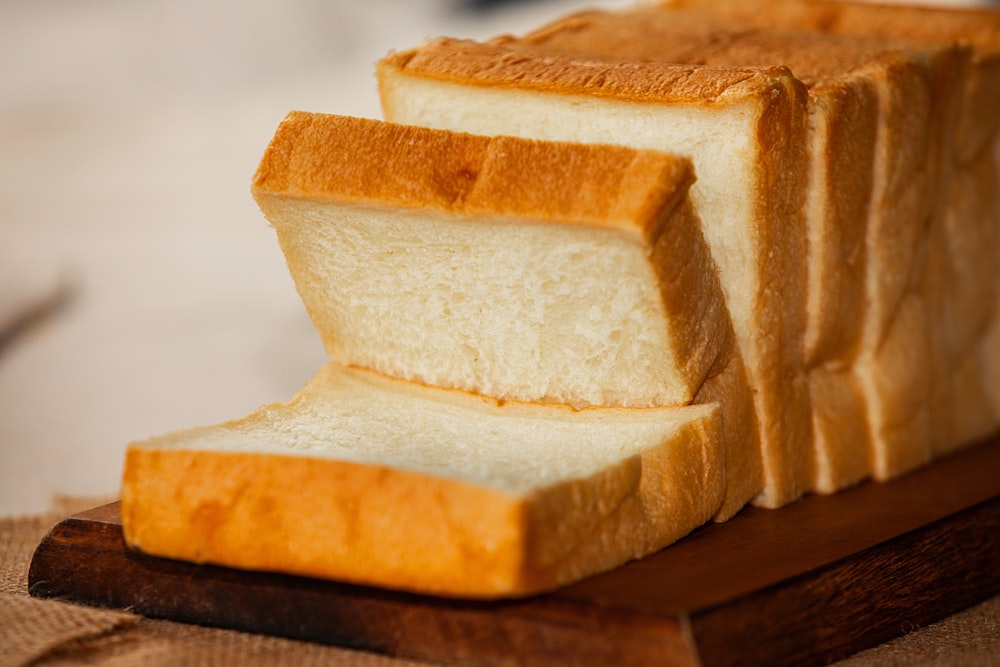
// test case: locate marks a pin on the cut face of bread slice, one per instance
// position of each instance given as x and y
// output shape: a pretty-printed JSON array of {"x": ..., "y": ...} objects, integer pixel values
[
  {"x": 377, "y": 481},
  {"x": 744, "y": 130},
  {"x": 965, "y": 308},
  {"x": 521, "y": 270}
]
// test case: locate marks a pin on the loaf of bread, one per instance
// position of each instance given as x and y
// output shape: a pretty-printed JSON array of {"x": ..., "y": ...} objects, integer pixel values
[
  {"x": 592, "y": 287},
  {"x": 743, "y": 128},
  {"x": 366, "y": 479},
  {"x": 878, "y": 120},
  {"x": 533, "y": 317},
  {"x": 967, "y": 314}
]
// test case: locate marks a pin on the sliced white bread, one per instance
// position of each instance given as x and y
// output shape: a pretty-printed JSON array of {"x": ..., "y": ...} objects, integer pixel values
[
  {"x": 744, "y": 129},
  {"x": 842, "y": 131},
  {"x": 517, "y": 269},
  {"x": 871, "y": 379},
  {"x": 967, "y": 306},
  {"x": 366, "y": 479},
  {"x": 878, "y": 121}
]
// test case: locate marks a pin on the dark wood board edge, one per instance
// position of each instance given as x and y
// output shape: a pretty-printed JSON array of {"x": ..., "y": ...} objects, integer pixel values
[
  {"x": 860, "y": 601},
  {"x": 760, "y": 548},
  {"x": 84, "y": 560},
  {"x": 832, "y": 608}
]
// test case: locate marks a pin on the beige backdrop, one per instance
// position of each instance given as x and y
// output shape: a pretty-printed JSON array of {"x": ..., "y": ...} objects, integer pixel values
[{"x": 129, "y": 133}]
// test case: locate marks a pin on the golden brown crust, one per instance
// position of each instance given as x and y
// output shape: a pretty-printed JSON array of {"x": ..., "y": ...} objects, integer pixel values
[
  {"x": 978, "y": 27},
  {"x": 905, "y": 297},
  {"x": 844, "y": 127},
  {"x": 500, "y": 65},
  {"x": 362, "y": 161},
  {"x": 603, "y": 185},
  {"x": 575, "y": 532},
  {"x": 840, "y": 429},
  {"x": 323, "y": 518},
  {"x": 783, "y": 404},
  {"x": 380, "y": 526},
  {"x": 322, "y": 156}
]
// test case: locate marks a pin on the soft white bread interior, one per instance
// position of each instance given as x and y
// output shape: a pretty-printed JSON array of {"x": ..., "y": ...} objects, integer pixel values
[
  {"x": 964, "y": 305},
  {"x": 517, "y": 269},
  {"x": 743, "y": 128},
  {"x": 371, "y": 480}
]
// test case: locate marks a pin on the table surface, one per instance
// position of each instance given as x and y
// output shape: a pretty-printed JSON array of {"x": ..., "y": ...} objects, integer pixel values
[{"x": 43, "y": 632}]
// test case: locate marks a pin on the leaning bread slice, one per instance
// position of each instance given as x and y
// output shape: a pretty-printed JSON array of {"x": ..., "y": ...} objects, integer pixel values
[
  {"x": 744, "y": 130},
  {"x": 521, "y": 270},
  {"x": 377, "y": 481}
]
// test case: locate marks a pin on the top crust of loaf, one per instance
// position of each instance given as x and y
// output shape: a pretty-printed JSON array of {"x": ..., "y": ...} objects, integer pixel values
[
  {"x": 497, "y": 65},
  {"x": 975, "y": 28},
  {"x": 653, "y": 35},
  {"x": 767, "y": 300},
  {"x": 368, "y": 162},
  {"x": 979, "y": 28}
]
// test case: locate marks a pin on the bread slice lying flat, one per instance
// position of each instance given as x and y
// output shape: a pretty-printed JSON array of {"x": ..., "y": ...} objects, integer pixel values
[
  {"x": 377, "y": 481},
  {"x": 744, "y": 130},
  {"x": 521, "y": 270},
  {"x": 966, "y": 320}
]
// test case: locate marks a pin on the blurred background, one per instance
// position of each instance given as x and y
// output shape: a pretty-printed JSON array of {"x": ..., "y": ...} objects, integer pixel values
[{"x": 141, "y": 291}]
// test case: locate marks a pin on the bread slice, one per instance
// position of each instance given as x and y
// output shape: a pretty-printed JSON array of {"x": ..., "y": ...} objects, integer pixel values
[
  {"x": 744, "y": 130},
  {"x": 521, "y": 270},
  {"x": 973, "y": 225},
  {"x": 366, "y": 479},
  {"x": 966, "y": 306}
]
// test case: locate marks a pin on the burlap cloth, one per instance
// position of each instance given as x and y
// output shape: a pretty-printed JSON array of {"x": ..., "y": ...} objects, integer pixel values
[{"x": 47, "y": 632}]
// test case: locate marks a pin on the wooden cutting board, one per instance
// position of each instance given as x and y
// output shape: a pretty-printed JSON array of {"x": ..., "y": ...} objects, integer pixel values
[{"x": 810, "y": 583}]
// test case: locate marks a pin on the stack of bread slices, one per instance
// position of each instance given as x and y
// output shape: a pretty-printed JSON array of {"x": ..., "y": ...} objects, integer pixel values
[{"x": 590, "y": 288}]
